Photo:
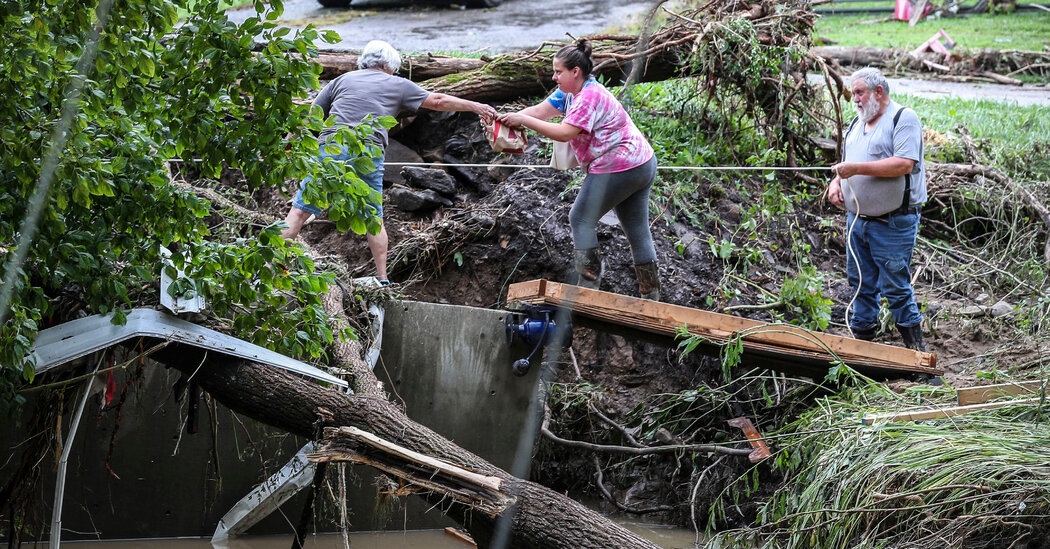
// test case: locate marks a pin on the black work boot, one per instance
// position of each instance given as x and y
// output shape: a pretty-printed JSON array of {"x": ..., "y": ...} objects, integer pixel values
[
  {"x": 648, "y": 280},
  {"x": 588, "y": 265},
  {"x": 912, "y": 336},
  {"x": 867, "y": 333}
]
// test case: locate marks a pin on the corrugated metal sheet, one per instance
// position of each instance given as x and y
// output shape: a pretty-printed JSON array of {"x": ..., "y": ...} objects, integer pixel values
[{"x": 60, "y": 344}]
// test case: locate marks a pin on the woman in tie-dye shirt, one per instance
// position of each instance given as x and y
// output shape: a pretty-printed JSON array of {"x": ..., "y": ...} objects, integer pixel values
[{"x": 617, "y": 158}]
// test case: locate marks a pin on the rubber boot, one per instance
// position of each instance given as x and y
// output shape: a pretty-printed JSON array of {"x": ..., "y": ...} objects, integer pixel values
[
  {"x": 867, "y": 333},
  {"x": 588, "y": 265},
  {"x": 648, "y": 280},
  {"x": 912, "y": 336}
]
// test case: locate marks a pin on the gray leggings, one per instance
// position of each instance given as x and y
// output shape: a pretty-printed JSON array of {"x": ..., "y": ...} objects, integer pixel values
[{"x": 625, "y": 192}]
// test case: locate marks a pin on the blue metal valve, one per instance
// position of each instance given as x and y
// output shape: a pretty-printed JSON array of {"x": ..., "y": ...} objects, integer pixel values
[{"x": 536, "y": 327}]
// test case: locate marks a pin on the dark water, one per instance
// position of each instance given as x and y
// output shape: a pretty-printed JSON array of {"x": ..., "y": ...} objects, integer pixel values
[{"x": 666, "y": 537}]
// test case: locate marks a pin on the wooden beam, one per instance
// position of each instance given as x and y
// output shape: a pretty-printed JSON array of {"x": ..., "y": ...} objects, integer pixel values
[
  {"x": 984, "y": 393},
  {"x": 940, "y": 413},
  {"x": 789, "y": 343}
]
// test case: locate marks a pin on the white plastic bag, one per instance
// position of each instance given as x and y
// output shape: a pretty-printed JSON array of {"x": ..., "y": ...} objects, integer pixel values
[{"x": 562, "y": 157}]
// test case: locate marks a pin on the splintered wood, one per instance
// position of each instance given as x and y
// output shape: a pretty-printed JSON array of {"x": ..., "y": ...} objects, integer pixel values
[
  {"x": 783, "y": 347},
  {"x": 350, "y": 444}
]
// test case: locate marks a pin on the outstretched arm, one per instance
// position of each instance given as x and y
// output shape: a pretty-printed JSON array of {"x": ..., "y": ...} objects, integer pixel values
[
  {"x": 445, "y": 102},
  {"x": 558, "y": 132},
  {"x": 542, "y": 111}
]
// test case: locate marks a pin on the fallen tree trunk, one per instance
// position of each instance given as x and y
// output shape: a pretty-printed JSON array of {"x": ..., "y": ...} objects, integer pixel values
[
  {"x": 510, "y": 77},
  {"x": 414, "y": 67},
  {"x": 991, "y": 64},
  {"x": 541, "y": 517}
]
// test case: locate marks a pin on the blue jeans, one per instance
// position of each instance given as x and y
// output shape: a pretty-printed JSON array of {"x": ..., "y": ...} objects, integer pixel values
[
  {"x": 882, "y": 268},
  {"x": 374, "y": 179}
]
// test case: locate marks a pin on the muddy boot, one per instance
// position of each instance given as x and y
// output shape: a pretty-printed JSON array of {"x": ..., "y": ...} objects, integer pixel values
[
  {"x": 912, "y": 336},
  {"x": 588, "y": 265},
  {"x": 867, "y": 333},
  {"x": 648, "y": 280}
]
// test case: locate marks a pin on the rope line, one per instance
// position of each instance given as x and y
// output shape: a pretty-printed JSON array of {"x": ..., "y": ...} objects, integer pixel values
[
  {"x": 536, "y": 166},
  {"x": 540, "y": 166}
]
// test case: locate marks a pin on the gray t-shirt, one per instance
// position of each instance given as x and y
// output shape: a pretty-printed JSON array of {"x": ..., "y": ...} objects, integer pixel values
[
  {"x": 880, "y": 195},
  {"x": 356, "y": 94}
]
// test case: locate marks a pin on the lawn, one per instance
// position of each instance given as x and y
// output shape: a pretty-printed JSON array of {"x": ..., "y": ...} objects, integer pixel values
[
  {"x": 1016, "y": 31},
  {"x": 985, "y": 119}
]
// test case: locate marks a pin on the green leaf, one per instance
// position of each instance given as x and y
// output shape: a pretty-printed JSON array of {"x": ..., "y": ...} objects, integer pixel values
[
  {"x": 357, "y": 224},
  {"x": 147, "y": 66}
]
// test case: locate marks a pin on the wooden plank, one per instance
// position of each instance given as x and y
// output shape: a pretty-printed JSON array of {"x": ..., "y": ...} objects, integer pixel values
[
  {"x": 940, "y": 413},
  {"x": 984, "y": 393},
  {"x": 665, "y": 319}
]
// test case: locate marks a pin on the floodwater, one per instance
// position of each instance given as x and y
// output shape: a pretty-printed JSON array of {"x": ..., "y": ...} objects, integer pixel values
[
  {"x": 664, "y": 536},
  {"x": 514, "y": 26},
  {"x": 937, "y": 89}
]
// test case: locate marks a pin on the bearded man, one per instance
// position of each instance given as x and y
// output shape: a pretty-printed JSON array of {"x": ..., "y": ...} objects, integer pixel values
[{"x": 882, "y": 185}]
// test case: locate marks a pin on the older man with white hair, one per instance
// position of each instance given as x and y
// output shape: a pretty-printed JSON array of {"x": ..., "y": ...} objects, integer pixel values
[
  {"x": 882, "y": 184},
  {"x": 350, "y": 98}
]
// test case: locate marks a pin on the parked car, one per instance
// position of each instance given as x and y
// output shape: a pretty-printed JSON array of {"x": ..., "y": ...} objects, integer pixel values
[{"x": 439, "y": 3}]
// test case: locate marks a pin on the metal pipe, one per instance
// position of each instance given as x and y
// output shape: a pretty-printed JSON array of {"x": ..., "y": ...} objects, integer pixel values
[{"x": 60, "y": 481}]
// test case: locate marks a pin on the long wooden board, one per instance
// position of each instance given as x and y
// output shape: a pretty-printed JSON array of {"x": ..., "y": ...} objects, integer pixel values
[
  {"x": 788, "y": 345},
  {"x": 984, "y": 393},
  {"x": 950, "y": 411}
]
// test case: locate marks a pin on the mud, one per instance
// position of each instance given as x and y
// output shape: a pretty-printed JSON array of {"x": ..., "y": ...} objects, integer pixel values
[
  {"x": 511, "y": 225},
  {"x": 508, "y": 226}
]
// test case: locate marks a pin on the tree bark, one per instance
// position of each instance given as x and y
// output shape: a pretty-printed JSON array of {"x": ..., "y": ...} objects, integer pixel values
[{"x": 414, "y": 67}]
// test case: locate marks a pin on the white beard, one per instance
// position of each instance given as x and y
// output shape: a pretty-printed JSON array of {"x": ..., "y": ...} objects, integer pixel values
[{"x": 868, "y": 109}]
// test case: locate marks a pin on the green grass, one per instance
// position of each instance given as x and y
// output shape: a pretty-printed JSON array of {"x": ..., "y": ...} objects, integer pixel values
[
  {"x": 1017, "y": 31},
  {"x": 1004, "y": 123},
  {"x": 980, "y": 478}
]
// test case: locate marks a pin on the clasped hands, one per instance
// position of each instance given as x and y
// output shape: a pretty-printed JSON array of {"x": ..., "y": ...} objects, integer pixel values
[{"x": 512, "y": 119}]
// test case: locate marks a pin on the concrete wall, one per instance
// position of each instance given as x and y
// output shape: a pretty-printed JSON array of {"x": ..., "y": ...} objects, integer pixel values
[{"x": 450, "y": 366}]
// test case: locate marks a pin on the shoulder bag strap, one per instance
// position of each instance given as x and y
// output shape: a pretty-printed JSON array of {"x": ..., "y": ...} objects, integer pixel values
[{"x": 906, "y": 200}]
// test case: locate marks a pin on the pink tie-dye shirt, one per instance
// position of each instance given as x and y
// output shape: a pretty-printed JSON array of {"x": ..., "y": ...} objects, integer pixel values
[{"x": 609, "y": 142}]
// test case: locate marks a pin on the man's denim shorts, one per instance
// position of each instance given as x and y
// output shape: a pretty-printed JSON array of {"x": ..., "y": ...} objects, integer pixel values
[{"x": 374, "y": 179}]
